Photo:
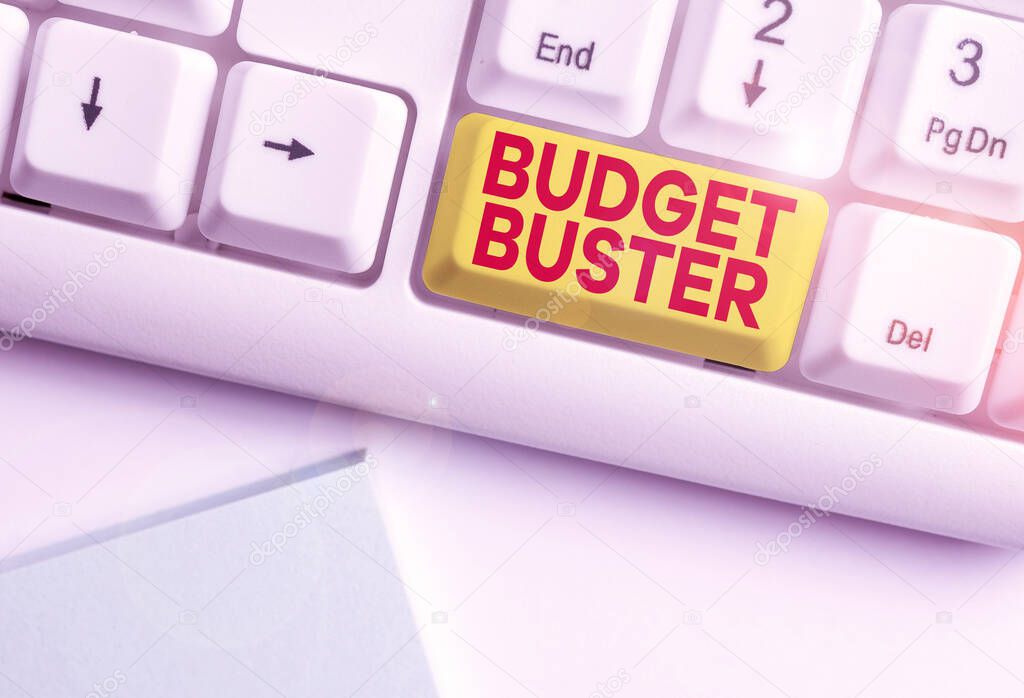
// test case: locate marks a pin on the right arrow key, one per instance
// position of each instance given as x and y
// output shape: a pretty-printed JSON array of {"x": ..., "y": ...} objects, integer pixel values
[{"x": 302, "y": 167}]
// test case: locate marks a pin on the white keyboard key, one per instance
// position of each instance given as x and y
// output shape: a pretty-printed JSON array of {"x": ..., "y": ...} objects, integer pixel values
[
  {"x": 773, "y": 83},
  {"x": 207, "y": 17},
  {"x": 400, "y": 43},
  {"x": 941, "y": 120},
  {"x": 909, "y": 308},
  {"x": 113, "y": 123},
  {"x": 302, "y": 167},
  {"x": 588, "y": 63},
  {"x": 13, "y": 37}
]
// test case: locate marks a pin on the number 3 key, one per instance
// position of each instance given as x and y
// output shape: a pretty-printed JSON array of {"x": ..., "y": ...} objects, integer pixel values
[{"x": 941, "y": 121}]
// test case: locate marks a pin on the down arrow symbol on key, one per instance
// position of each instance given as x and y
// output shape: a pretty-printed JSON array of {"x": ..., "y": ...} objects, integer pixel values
[
  {"x": 90, "y": 110},
  {"x": 754, "y": 89}
]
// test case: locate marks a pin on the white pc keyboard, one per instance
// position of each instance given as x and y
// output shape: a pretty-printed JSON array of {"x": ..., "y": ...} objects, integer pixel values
[{"x": 766, "y": 245}]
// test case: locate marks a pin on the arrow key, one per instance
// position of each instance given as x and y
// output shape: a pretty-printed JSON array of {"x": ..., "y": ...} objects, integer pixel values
[
  {"x": 302, "y": 167},
  {"x": 772, "y": 83},
  {"x": 113, "y": 123}
]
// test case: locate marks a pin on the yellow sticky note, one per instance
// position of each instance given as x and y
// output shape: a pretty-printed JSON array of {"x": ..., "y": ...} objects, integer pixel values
[{"x": 624, "y": 243}]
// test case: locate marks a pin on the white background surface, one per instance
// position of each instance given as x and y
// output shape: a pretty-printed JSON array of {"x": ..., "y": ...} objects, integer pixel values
[
  {"x": 185, "y": 608},
  {"x": 530, "y": 573}
]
